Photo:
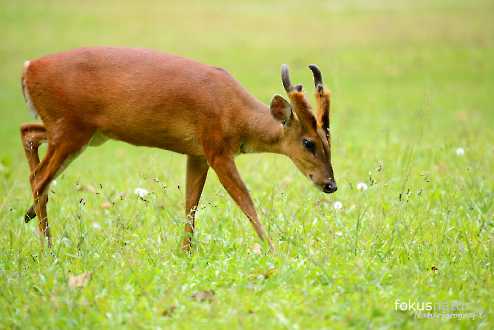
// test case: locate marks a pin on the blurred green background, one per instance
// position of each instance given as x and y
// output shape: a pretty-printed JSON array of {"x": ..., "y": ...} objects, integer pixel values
[{"x": 412, "y": 82}]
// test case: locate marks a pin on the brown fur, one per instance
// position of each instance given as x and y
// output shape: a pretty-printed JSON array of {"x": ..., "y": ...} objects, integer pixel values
[
  {"x": 159, "y": 100},
  {"x": 303, "y": 109},
  {"x": 323, "y": 107}
]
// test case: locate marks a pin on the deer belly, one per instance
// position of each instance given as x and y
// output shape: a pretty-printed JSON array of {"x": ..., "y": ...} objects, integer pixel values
[{"x": 185, "y": 142}]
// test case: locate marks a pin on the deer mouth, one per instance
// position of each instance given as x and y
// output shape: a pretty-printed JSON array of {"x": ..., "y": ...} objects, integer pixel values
[{"x": 327, "y": 187}]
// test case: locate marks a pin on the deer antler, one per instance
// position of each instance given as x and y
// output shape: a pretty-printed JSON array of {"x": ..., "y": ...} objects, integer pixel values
[
  {"x": 323, "y": 99},
  {"x": 297, "y": 98}
]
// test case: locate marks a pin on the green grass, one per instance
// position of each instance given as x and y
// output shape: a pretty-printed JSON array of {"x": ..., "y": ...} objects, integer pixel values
[{"x": 412, "y": 81}]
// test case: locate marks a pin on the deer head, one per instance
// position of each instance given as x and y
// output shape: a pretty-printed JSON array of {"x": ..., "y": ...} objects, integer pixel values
[{"x": 306, "y": 137}]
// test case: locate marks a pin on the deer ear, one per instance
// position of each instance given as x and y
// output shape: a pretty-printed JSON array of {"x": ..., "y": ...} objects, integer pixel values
[{"x": 281, "y": 109}]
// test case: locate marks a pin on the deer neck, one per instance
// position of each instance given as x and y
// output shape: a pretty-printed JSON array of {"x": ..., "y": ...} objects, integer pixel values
[{"x": 263, "y": 133}]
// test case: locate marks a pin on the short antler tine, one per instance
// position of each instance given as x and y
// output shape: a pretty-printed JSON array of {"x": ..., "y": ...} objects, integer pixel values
[
  {"x": 317, "y": 76},
  {"x": 285, "y": 78}
]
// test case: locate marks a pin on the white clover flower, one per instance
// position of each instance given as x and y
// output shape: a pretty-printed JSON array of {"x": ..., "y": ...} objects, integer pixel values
[
  {"x": 460, "y": 151},
  {"x": 141, "y": 192},
  {"x": 257, "y": 249},
  {"x": 96, "y": 225},
  {"x": 362, "y": 186},
  {"x": 339, "y": 233},
  {"x": 337, "y": 205}
]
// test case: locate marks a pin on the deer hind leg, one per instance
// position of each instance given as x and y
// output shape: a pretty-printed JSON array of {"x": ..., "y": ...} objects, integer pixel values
[
  {"x": 32, "y": 135},
  {"x": 58, "y": 153}
]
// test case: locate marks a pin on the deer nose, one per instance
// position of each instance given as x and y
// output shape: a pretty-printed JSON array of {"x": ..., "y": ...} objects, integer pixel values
[{"x": 330, "y": 187}]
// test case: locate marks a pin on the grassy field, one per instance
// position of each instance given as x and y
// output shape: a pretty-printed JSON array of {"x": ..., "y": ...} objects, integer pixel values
[{"x": 413, "y": 81}]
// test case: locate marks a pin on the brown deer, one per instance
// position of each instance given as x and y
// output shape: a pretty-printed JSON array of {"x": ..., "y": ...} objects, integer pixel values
[{"x": 88, "y": 95}]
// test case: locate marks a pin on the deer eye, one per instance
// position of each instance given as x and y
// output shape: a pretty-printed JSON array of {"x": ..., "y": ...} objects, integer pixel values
[{"x": 309, "y": 145}]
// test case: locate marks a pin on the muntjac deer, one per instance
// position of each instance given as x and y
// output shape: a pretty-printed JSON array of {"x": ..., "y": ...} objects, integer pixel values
[{"x": 146, "y": 98}]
